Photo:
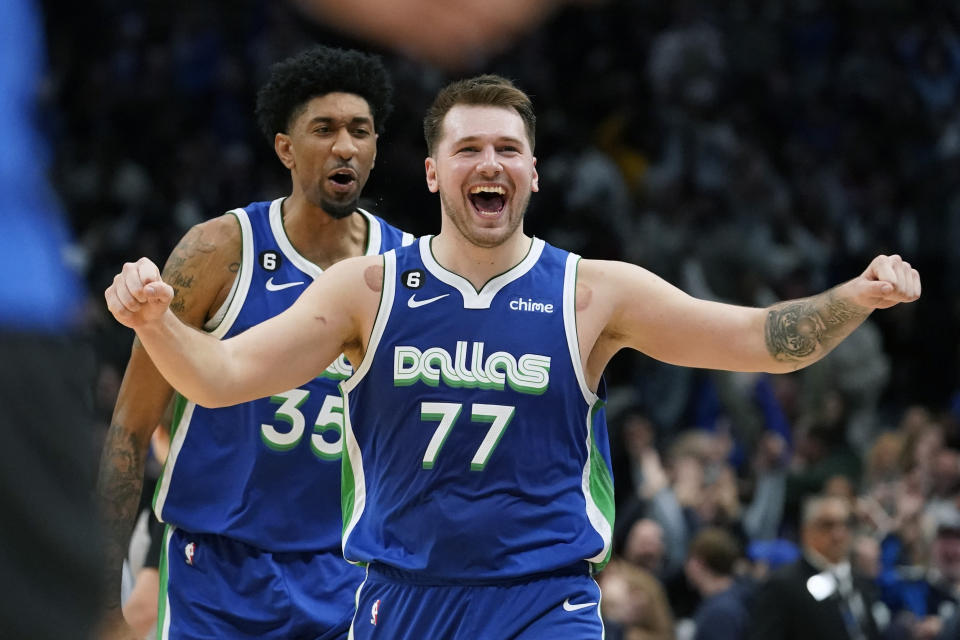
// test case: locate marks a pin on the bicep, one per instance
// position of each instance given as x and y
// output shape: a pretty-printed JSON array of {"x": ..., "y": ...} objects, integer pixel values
[
  {"x": 664, "y": 322},
  {"x": 202, "y": 267}
]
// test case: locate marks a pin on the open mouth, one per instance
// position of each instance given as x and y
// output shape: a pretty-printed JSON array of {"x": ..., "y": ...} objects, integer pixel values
[
  {"x": 342, "y": 179},
  {"x": 488, "y": 200}
]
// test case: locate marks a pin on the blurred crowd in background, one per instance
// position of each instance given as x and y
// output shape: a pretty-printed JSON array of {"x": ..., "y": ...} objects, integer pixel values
[{"x": 745, "y": 150}]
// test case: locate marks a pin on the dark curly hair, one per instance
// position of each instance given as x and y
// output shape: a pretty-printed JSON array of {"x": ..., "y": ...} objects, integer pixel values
[{"x": 320, "y": 70}]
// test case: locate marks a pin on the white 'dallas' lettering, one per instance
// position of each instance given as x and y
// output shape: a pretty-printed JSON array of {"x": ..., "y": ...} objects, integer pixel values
[{"x": 528, "y": 374}]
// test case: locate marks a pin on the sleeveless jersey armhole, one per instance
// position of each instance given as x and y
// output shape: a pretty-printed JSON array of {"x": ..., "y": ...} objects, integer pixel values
[
  {"x": 223, "y": 319},
  {"x": 570, "y": 326},
  {"x": 380, "y": 322}
]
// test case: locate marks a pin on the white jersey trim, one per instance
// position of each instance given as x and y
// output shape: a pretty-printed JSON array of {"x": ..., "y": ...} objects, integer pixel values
[
  {"x": 227, "y": 314},
  {"x": 570, "y": 325},
  {"x": 594, "y": 514},
  {"x": 176, "y": 445},
  {"x": 280, "y": 235},
  {"x": 372, "y": 248},
  {"x": 356, "y": 603},
  {"x": 232, "y": 310},
  {"x": 352, "y": 447},
  {"x": 473, "y": 299},
  {"x": 374, "y": 234},
  {"x": 165, "y": 630}
]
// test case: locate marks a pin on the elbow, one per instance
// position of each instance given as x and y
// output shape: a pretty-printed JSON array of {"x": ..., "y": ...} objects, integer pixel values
[
  {"x": 212, "y": 402},
  {"x": 779, "y": 366},
  {"x": 215, "y": 398}
]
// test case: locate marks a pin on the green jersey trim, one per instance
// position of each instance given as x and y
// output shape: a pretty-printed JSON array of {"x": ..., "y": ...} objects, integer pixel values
[{"x": 598, "y": 490}]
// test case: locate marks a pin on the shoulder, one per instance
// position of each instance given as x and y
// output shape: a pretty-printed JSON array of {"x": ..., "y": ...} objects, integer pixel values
[
  {"x": 202, "y": 264},
  {"x": 211, "y": 237},
  {"x": 613, "y": 282},
  {"x": 610, "y": 271},
  {"x": 391, "y": 236},
  {"x": 363, "y": 271},
  {"x": 207, "y": 245}
]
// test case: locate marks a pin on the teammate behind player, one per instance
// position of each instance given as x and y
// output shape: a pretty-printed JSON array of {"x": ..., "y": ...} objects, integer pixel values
[
  {"x": 477, "y": 482},
  {"x": 251, "y": 493}
]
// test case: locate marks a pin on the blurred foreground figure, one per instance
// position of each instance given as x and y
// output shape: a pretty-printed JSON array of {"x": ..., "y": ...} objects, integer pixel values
[{"x": 49, "y": 547}]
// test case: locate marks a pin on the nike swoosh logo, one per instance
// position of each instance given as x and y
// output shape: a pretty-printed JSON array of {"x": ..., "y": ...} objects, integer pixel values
[
  {"x": 281, "y": 287},
  {"x": 576, "y": 607},
  {"x": 413, "y": 304}
]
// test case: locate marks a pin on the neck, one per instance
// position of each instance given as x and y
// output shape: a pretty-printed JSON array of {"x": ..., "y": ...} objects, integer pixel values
[
  {"x": 479, "y": 264},
  {"x": 319, "y": 238}
]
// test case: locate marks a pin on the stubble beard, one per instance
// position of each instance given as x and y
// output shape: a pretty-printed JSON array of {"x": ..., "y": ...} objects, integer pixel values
[
  {"x": 460, "y": 215},
  {"x": 337, "y": 210}
]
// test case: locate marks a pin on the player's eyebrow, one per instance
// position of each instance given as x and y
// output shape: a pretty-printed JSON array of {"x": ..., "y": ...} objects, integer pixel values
[
  {"x": 499, "y": 140},
  {"x": 366, "y": 120}
]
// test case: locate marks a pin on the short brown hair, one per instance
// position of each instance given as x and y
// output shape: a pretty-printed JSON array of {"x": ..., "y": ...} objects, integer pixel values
[
  {"x": 486, "y": 90},
  {"x": 716, "y": 549}
]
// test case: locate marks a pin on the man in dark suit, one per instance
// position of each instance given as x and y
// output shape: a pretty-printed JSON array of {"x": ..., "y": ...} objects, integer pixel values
[{"x": 818, "y": 597}]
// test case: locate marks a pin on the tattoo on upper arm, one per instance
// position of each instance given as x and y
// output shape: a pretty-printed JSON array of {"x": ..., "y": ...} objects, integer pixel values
[
  {"x": 799, "y": 329},
  {"x": 175, "y": 272}
]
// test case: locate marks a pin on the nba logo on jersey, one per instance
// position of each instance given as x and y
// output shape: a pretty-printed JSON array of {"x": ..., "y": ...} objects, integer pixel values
[
  {"x": 374, "y": 610},
  {"x": 189, "y": 552}
]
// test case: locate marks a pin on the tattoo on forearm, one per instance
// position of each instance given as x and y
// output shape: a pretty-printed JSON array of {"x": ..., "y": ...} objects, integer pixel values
[
  {"x": 119, "y": 485},
  {"x": 801, "y": 329}
]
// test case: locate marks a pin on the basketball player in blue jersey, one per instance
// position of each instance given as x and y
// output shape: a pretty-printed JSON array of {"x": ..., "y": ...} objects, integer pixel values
[
  {"x": 477, "y": 488},
  {"x": 251, "y": 493}
]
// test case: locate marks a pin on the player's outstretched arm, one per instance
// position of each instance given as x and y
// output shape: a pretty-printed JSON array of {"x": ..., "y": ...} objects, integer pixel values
[
  {"x": 635, "y": 308},
  {"x": 279, "y": 354}
]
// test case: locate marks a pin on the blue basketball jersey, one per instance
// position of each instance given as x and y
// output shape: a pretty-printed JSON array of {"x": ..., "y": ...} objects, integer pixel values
[
  {"x": 266, "y": 472},
  {"x": 474, "y": 449}
]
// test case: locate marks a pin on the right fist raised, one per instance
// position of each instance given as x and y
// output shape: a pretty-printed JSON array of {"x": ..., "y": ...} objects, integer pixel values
[{"x": 138, "y": 296}]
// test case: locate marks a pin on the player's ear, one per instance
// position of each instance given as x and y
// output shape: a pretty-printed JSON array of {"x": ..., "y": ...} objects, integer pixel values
[
  {"x": 431, "y": 167},
  {"x": 283, "y": 145},
  {"x": 535, "y": 182}
]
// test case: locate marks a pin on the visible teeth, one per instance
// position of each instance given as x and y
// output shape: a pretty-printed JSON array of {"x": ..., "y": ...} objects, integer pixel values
[{"x": 488, "y": 189}]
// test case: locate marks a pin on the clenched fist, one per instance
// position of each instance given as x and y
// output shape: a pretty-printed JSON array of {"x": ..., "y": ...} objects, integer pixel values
[
  {"x": 138, "y": 295},
  {"x": 887, "y": 281}
]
